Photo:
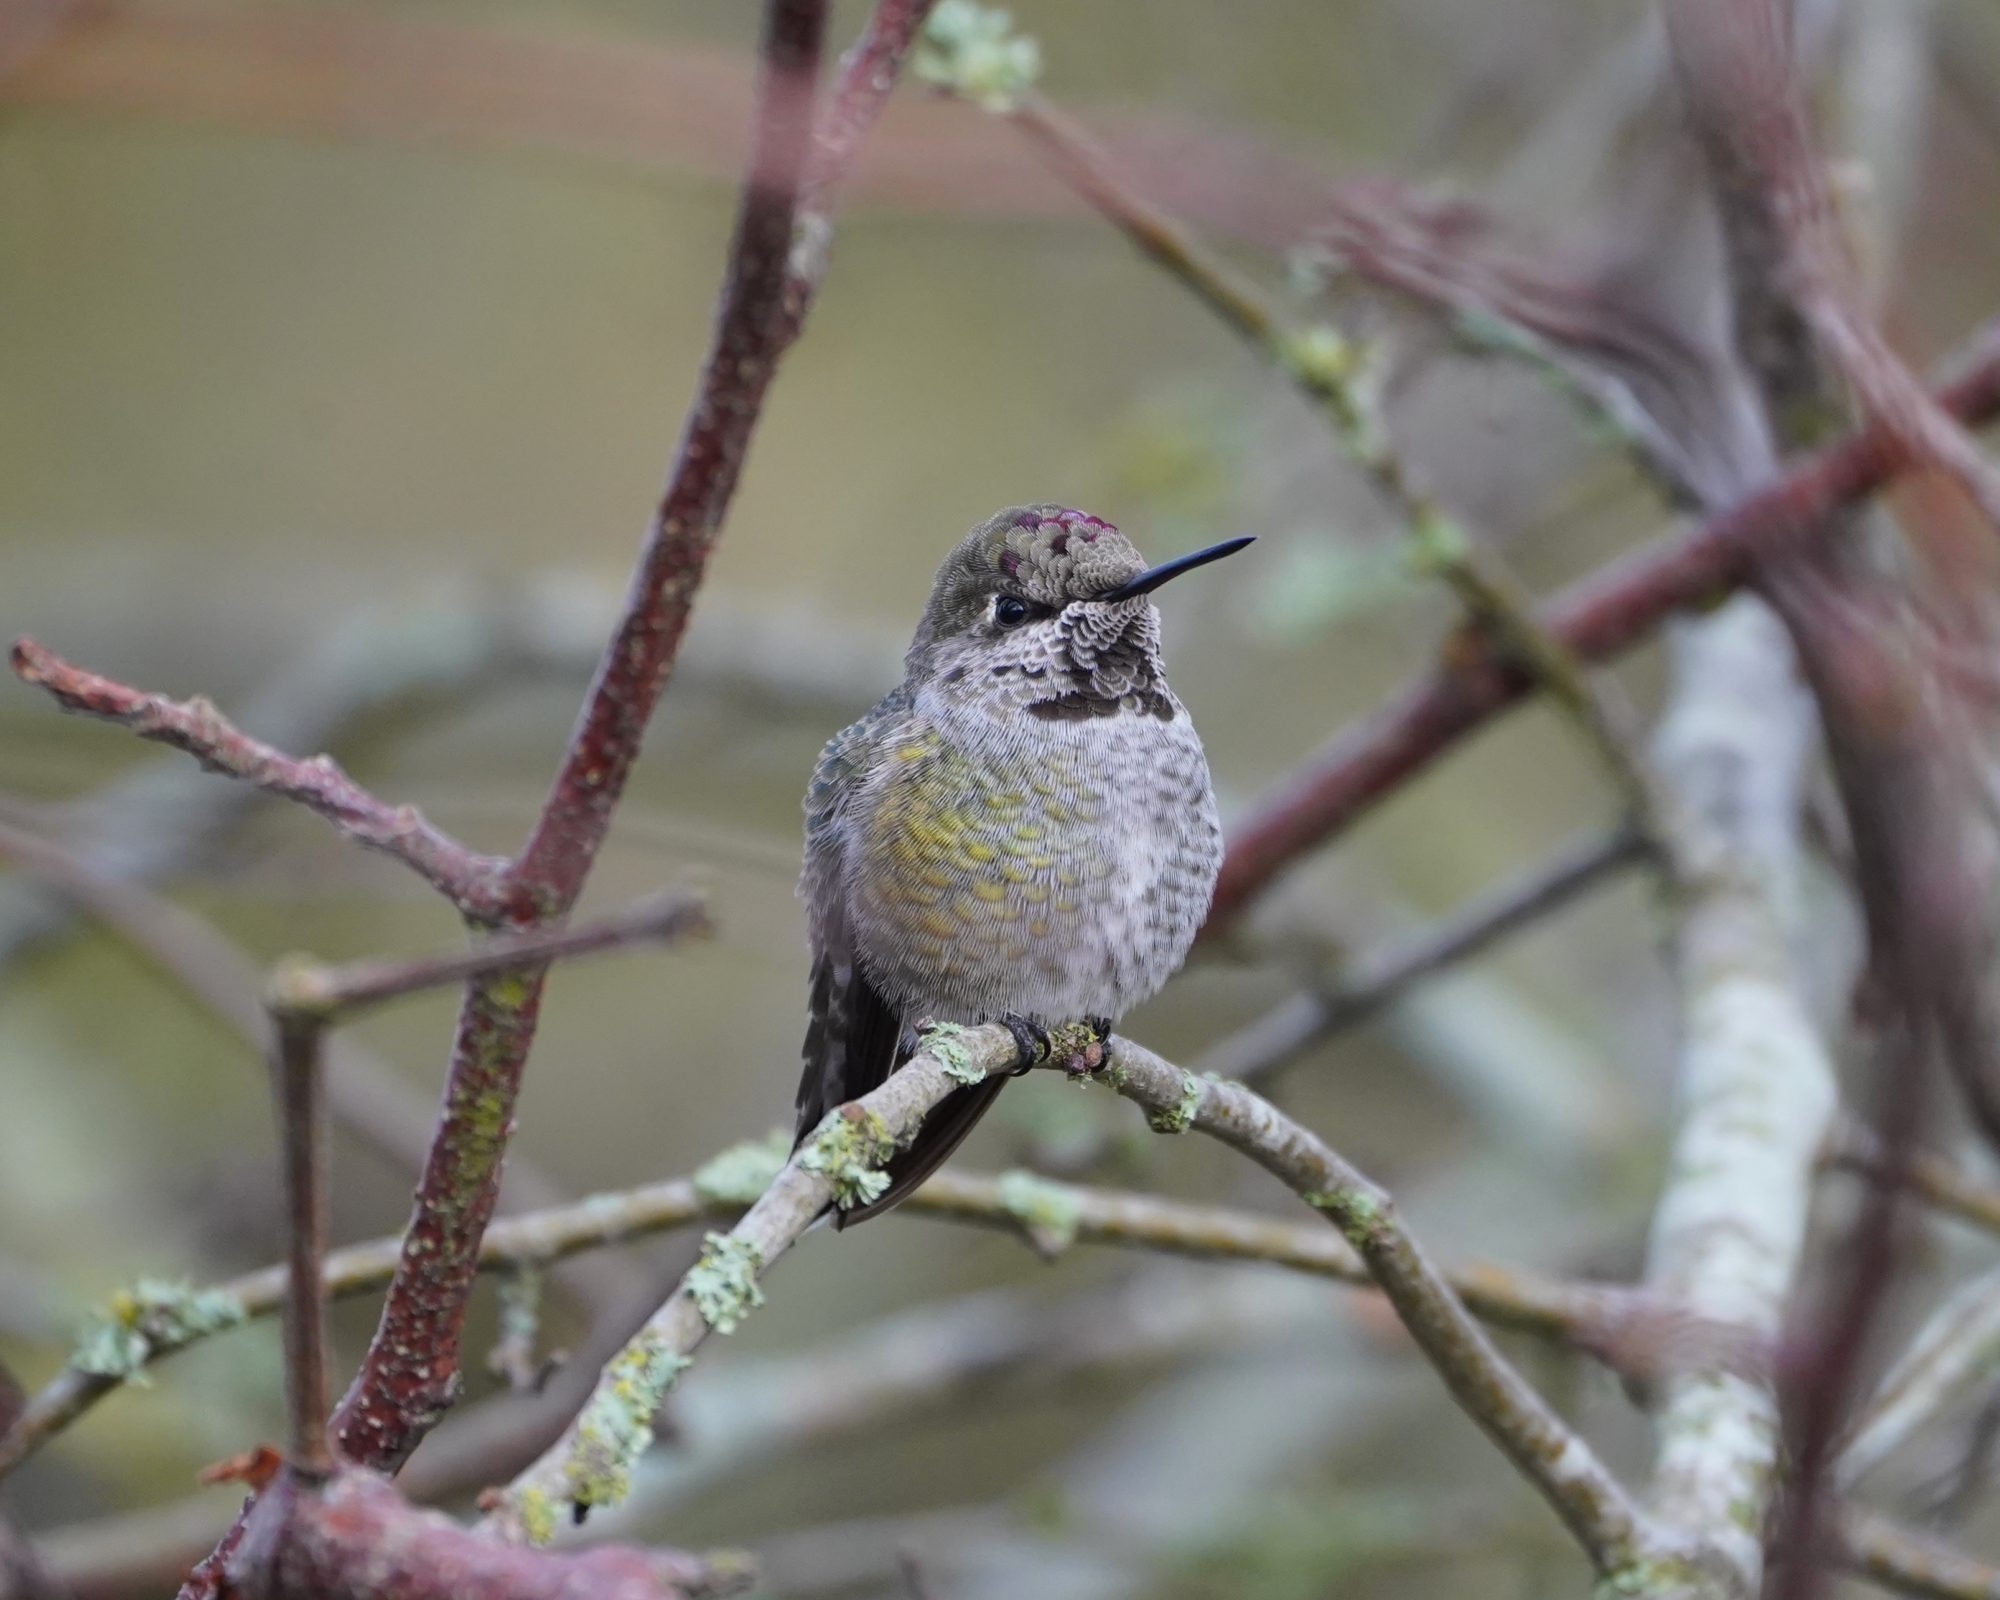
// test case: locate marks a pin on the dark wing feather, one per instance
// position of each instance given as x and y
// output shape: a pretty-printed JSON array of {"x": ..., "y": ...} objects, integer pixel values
[
  {"x": 943, "y": 1131},
  {"x": 854, "y": 1041}
]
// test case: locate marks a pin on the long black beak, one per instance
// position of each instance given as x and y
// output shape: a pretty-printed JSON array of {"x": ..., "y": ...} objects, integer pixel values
[{"x": 1153, "y": 577}]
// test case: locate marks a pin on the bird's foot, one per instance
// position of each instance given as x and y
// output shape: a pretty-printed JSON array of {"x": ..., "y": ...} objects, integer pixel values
[
  {"x": 1086, "y": 1047},
  {"x": 1030, "y": 1038}
]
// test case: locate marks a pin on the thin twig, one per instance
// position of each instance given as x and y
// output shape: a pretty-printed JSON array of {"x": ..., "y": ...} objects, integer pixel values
[
  {"x": 1948, "y": 1359},
  {"x": 364, "y": 1096},
  {"x": 1265, "y": 1047},
  {"x": 1906, "y": 1562},
  {"x": 307, "y": 989},
  {"x": 1938, "y": 1182},
  {"x": 302, "y": 1125},
  {"x": 470, "y": 881}
]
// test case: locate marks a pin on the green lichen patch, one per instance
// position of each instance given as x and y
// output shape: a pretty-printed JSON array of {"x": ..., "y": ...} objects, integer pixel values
[
  {"x": 973, "y": 50},
  {"x": 1438, "y": 545},
  {"x": 1661, "y": 1575},
  {"x": 300, "y": 987},
  {"x": 1049, "y": 1211},
  {"x": 614, "y": 1429},
  {"x": 152, "y": 1318},
  {"x": 739, "y": 1175},
  {"x": 1346, "y": 376},
  {"x": 946, "y": 1043},
  {"x": 724, "y": 1281},
  {"x": 848, "y": 1149},
  {"x": 1178, "y": 1117},
  {"x": 536, "y": 1512},
  {"x": 1358, "y": 1214}
]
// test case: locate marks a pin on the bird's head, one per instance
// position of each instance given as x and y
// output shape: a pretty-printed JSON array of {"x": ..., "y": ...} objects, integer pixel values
[{"x": 1047, "y": 608}]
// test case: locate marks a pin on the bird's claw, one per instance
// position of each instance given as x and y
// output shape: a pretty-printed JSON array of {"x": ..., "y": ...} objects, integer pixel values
[{"x": 1030, "y": 1038}]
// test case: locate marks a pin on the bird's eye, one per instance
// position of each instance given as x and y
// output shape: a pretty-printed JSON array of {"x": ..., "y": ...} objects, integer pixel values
[{"x": 1010, "y": 611}]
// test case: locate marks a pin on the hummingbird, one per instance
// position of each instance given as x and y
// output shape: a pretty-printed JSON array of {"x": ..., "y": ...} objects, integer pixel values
[{"x": 1023, "y": 830}]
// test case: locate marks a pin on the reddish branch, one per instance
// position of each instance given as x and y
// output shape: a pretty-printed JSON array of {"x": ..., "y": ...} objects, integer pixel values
[
  {"x": 1749, "y": 110},
  {"x": 1596, "y": 618},
  {"x": 302, "y": 1129},
  {"x": 764, "y": 298},
  {"x": 469, "y": 880},
  {"x": 356, "y": 1538},
  {"x": 410, "y": 1373},
  {"x": 752, "y": 331}
]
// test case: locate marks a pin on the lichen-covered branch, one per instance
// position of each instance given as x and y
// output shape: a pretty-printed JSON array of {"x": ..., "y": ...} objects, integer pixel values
[
  {"x": 1755, "y": 1088},
  {"x": 470, "y": 881},
  {"x": 157, "y": 1320},
  {"x": 591, "y": 1464},
  {"x": 1922, "y": 859},
  {"x": 1621, "y": 1542}
]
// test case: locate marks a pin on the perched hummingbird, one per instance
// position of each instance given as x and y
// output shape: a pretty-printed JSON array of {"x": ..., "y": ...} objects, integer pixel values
[{"x": 1023, "y": 830}]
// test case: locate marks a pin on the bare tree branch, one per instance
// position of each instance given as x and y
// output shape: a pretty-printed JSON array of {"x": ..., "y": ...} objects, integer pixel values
[
  {"x": 470, "y": 881},
  {"x": 1266, "y": 1046},
  {"x": 1596, "y": 618},
  {"x": 1908, "y": 1563},
  {"x": 305, "y": 990},
  {"x": 355, "y": 1538}
]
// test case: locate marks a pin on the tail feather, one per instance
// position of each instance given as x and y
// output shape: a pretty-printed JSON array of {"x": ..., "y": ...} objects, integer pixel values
[{"x": 943, "y": 1131}]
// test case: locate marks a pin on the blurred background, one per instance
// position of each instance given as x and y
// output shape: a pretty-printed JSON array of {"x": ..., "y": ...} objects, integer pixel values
[{"x": 345, "y": 344}]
